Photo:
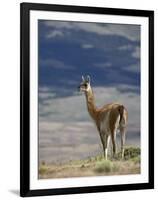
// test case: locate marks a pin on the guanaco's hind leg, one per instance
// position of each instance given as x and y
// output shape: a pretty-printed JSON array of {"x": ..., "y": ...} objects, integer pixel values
[
  {"x": 113, "y": 139},
  {"x": 107, "y": 138},
  {"x": 103, "y": 144},
  {"x": 123, "y": 135}
]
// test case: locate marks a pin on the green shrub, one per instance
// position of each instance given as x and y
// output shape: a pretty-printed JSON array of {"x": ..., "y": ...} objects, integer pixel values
[
  {"x": 130, "y": 152},
  {"x": 136, "y": 160},
  {"x": 43, "y": 169},
  {"x": 104, "y": 166}
]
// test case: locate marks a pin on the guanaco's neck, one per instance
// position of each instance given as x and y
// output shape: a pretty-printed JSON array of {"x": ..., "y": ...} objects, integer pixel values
[{"x": 92, "y": 109}]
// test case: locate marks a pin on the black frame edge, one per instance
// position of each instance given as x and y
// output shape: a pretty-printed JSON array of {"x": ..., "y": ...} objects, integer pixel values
[
  {"x": 87, "y": 9},
  {"x": 151, "y": 99},
  {"x": 24, "y": 101},
  {"x": 91, "y": 189}
]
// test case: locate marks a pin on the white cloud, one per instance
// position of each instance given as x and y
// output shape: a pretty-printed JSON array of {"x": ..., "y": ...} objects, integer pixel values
[
  {"x": 55, "y": 64},
  {"x": 135, "y": 68},
  {"x": 59, "y": 24},
  {"x": 55, "y": 33},
  {"x": 103, "y": 65},
  {"x": 44, "y": 89},
  {"x": 127, "y": 88},
  {"x": 45, "y": 95},
  {"x": 126, "y": 47},
  {"x": 73, "y": 108},
  {"x": 60, "y": 142},
  {"x": 87, "y": 46},
  {"x": 131, "y": 32},
  {"x": 136, "y": 53}
]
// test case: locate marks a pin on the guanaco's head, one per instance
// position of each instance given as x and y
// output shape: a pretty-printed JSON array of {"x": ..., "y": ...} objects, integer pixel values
[{"x": 85, "y": 84}]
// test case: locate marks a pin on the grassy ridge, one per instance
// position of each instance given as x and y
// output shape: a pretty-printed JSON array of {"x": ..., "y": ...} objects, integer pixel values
[{"x": 94, "y": 166}]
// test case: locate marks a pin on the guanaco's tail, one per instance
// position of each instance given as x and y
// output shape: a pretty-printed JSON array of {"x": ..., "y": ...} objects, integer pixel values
[{"x": 121, "y": 110}]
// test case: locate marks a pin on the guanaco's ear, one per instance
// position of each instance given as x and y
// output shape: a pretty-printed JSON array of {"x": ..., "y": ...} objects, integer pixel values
[
  {"x": 88, "y": 79},
  {"x": 83, "y": 78}
]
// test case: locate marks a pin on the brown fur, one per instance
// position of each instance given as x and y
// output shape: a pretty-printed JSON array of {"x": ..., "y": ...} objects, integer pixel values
[{"x": 97, "y": 114}]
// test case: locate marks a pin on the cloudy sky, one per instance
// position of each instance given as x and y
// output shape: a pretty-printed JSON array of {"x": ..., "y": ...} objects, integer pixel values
[{"x": 110, "y": 54}]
